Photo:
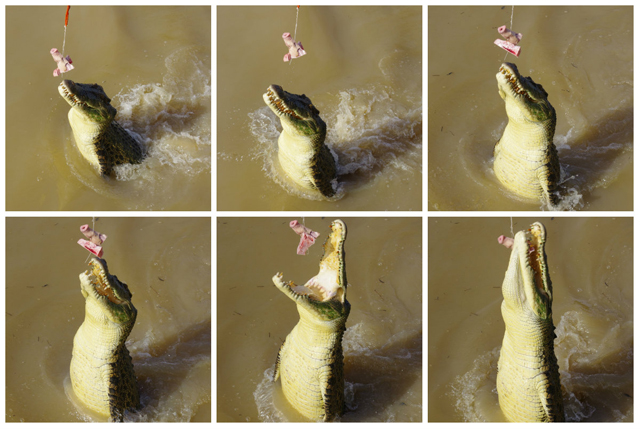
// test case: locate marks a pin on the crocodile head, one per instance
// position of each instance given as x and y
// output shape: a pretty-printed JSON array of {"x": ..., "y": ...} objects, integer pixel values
[
  {"x": 297, "y": 114},
  {"x": 525, "y": 100},
  {"x": 527, "y": 285},
  {"x": 89, "y": 102},
  {"x": 101, "y": 140},
  {"x": 324, "y": 295},
  {"x": 108, "y": 300}
]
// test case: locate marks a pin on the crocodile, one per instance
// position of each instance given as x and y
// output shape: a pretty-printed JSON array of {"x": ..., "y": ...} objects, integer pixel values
[
  {"x": 528, "y": 381},
  {"x": 525, "y": 158},
  {"x": 310, "y": 360},
  {"x": 101, "y": 140},
  {"x": 302, "y": 152},
  {"x": 101, "y": 373}
]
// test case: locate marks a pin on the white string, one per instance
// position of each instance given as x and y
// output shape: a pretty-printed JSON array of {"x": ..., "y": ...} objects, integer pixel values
[
  {"x": 511, "y": 24},
  {"x": 64, "y": 40},
  {"x": 295, "y": 32},
  {"x": 512, "y": 236},
  {"x": 505, "y": 55}
]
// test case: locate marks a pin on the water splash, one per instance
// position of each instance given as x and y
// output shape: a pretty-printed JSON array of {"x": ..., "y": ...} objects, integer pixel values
[{"x": 170, "y": 118}]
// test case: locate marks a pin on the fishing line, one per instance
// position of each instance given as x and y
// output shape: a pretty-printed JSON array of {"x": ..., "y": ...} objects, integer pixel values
[
  {"x": 505, "y": 56},
  {"x": 64, "y": 39},
  {"x": 295, "y": 31}
]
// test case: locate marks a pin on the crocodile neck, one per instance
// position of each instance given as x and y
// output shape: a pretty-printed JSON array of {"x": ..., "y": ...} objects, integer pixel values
[
  {"x": 102, "y": 339},
  {"x": 316, "y": 331},
  {"x": 298, "y": 156},
  {"x": 528, "y": 337},
  {"x": 86, "y": 133},
  {"x": 295, "y": 147},
  {"x": 529, "y": 136}
]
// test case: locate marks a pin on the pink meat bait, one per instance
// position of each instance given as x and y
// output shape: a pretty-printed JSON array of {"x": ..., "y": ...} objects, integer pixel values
[
  {"x": 307, "y": 236},
  {"x": 509, "y": 35},
  {"x": 94, "y": 240},
  {"x": 64, "y": 63},
  {"x": 295, "y": 48},
  {"x": 509, "y": 47},
  {"x": 91, "y": 247},
  {"x": 512, "y": 39},
  {"x": 506, "y": 241},
  {"x": 94, "y": 236}
]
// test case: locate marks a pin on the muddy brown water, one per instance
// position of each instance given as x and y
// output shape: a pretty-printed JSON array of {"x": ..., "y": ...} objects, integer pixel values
[
  {"x": 383, "y": 340},
  {"x": 362, "y": 70},
  {"x": 166, "y": 262},
  {"x": 155, "y": 65},
  {"x": 591, "y": 268},
  {"x": 582, "y": 56}
]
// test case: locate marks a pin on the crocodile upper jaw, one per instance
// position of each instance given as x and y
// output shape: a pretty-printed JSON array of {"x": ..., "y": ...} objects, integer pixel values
[
  {"x": 66, "y": 91},
  {"x": 89, "y": 101},
  {"x": 297, "y": 113},
  {"x": 525, "y": 100},
  {"x": 111, "y": 297}
]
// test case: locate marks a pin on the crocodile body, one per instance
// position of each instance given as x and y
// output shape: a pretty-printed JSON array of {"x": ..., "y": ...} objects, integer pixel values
[
  {"x": 302, "y": 153},
  {"x": 528, "y": 380},
  {"x": 101, "y": 372},
  {"x": 525, "y": 159},
  {"x": 310, "y": 360},
  {"x": 101, "y": 140}
]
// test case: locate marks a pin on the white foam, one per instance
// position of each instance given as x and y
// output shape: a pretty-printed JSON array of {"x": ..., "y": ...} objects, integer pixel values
[{"x": 171, "y": 119}]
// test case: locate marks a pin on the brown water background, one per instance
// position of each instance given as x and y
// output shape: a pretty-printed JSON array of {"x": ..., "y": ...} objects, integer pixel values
[
  {"x": 166, "y": 262},
  {"x": 363, "y": 71},
  {"x": 383, "y": 341},
  {"x": 591, "y": 268},
  {"x": 155, "y": 65},
  {"x": 582, "y": 56}
]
